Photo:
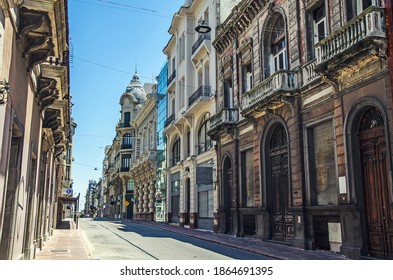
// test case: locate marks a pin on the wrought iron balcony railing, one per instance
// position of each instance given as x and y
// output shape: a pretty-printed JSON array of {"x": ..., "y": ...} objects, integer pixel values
[
  {"x": 124, "y": 124},
  {"x": 201, "y": 91},
  {"x": 201, "y": 38},
  {"x": 171, "y": 77},
  {"x": 170, "y": 119},
  {"x": 204, "y": 146}
]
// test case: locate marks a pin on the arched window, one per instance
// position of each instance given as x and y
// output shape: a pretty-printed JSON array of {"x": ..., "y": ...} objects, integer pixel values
[
  {"x": 176, "y": 151},
  {"x": 204, "y": 142},
  {"x": 278, "y": 46}
]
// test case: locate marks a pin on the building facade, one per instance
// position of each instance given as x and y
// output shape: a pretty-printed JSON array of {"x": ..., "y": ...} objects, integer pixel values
[
  {"x": 160, "y": 204},
  {"x": 34, "y": 122},
  {"x": 144, "y": 162},
  {"x": 303, "y": 125}
]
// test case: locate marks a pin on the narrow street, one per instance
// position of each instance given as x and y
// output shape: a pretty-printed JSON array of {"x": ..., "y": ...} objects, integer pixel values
[{"x": 115, "y": 240}]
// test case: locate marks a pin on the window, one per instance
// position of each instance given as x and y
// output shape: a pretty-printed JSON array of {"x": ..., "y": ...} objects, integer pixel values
[
  {"x": 205, "y": 203},
  {"x": 127, "y": 119},
  {"x": 246, "y": 77},
  {"x": 228, "y": 91},
  {"x": 127, "y": 141},
  {"x": 176, "y": 152},
  {"x": 319, "y": 24},
  {"x": 125, "y": 162},
  {"x": 204, "y": 142},
  {"x": 355, "y": 7},
  {"x": 317, "y": 29},
  {"x": 182, "y": 47},
  {"x": 323, "y": 172},
  {"x": 278, "y": 45},
  {"x": 130, "y": 185},
  {"x": 188, "y": 142},
  {"x": 247, "y": 173}
]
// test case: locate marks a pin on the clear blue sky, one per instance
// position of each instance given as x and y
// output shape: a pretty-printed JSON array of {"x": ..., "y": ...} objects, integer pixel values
[{"x": 108, "y": 38}]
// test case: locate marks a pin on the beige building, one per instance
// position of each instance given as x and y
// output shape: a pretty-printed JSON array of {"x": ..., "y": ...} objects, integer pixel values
[
  {"x": 34, "y": 122},
  {"x": 143, "y": 167},
  {"x": 191, "y": 90}
]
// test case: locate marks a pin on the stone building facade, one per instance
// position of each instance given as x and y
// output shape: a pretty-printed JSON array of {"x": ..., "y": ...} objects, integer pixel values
[
  {"x": 143, "y": 168},
  {"x": 303, "y": 125},
  {"x": 34, "y": 122}
]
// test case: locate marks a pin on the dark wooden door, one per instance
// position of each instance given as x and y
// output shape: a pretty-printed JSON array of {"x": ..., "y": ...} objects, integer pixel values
[
  {"x": 377, "y": 199},
  {"x": 282, "y": 220},
  {"x": 227, "y": 194}
]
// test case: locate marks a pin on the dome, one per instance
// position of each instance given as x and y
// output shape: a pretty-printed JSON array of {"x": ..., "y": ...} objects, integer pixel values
[{"x": 136, "y": 89}]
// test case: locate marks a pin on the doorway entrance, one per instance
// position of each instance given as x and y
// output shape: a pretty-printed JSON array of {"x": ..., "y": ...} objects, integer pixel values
[
  {"x": 278, "y": 174},
  {"x": 377, "y": 199}
]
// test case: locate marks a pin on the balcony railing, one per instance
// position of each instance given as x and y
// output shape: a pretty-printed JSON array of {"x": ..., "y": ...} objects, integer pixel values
[
  {"x": 125, "y": 124},
  {"x": 370, "y": 23},
  {"x": 224, "y": 117},
  {"x": 281, "y": 81},
  {"x": 201, "y": 38},
  {"x": 124, "y": 169},
  {"x": 126, "y": 146},
  {"x": 170, "y": 119},
  {"x": 171, "y": 77},
  {"x": 308, "y": 71},
  {"x": 201, "y": 91},
  {"x": 204, "y": 147}
]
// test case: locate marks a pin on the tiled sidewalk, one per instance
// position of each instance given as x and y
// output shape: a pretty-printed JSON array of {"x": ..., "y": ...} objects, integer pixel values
[{"x": 66, "y": 243}]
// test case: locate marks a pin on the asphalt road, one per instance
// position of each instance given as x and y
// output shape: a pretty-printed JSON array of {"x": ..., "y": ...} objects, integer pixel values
[{"x": 114, "y": 240}]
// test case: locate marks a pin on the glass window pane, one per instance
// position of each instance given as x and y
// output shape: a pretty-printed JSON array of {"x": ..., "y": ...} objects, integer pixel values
[{"x": 325, "y": 164}]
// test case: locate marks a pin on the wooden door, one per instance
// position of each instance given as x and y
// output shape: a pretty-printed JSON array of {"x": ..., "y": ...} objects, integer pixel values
[
  {"x": 282, "y": 221},
  {"x": 227, "y": 194},
  {"x": 377, "y": 199}
]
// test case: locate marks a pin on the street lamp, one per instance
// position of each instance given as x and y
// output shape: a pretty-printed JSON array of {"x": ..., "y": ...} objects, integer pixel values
[{"x": 203, "y": 28}]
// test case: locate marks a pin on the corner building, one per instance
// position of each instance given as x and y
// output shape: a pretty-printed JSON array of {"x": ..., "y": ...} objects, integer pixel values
[{"x": 303, "y": 125}]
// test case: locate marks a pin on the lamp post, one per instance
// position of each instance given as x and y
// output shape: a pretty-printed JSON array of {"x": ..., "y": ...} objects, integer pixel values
[{"x": 202, "y": 28}]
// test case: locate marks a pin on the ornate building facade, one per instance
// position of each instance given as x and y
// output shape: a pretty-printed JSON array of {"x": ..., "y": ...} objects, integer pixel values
[
  {"x": 34, "y": 122},
  {"x": 143, "y": 168},
  {"x": 303, "y": 125}
]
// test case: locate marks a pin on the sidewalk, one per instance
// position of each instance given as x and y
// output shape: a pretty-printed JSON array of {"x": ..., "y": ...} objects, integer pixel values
[
  {"x": 273, "y": 250},
  {"x": 66, "y": 243}
]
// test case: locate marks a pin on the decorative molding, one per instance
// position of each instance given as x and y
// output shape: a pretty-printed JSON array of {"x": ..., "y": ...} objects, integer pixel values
[{"x": 35, "y": 36}]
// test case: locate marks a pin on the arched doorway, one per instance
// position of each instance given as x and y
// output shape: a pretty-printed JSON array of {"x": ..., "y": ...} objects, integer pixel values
[
  {"x": 226, "y": 193},
  {"x": 377, "y": 199},
  {"x": 278, "y": 184}
]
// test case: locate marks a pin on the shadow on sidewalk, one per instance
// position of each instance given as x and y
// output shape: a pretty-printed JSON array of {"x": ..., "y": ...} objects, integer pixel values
[{"x": 66, "y": 224}]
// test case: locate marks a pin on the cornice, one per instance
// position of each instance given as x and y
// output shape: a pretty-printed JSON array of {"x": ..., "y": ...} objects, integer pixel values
[{"x": 237, "y": 22}]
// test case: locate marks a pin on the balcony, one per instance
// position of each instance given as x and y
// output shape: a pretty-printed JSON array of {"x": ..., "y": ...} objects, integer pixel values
[
  {"x": 204, "y": 147},
  {"x": 124, "y": 125},
  {"x": 201, "y": 48},
  {"x": 308, "y": 72},
  {"x": 358, "y": 40},
  {"x": 170, "y": 82},
  {"x": 126, "y": 147},
  {"x": 269, "y": 92},
  {"x": 202, "y": 93},
  {"x": 224, "y": 119},
  {"x": 169, "y": 120}
]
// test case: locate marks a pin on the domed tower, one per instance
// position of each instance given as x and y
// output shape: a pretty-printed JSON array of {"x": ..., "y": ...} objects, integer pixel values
[{"x": 131, "y": 100}]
